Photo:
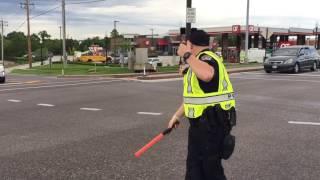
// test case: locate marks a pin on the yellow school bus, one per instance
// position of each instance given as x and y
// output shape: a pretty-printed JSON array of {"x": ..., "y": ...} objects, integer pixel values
[
  {"x": 95, "y": 54},
  {"x": 89, "y": 58}
]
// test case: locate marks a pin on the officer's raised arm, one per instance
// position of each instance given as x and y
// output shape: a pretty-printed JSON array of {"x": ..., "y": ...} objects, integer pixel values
[{"x": 202, "y": 70}]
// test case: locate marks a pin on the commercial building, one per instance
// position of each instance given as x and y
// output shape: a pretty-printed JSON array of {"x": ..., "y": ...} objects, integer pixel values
[{"x": 230, "y": 40}]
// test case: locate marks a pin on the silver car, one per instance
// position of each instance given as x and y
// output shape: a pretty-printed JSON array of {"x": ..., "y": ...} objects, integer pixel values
[{"x": 2, "y": 74}]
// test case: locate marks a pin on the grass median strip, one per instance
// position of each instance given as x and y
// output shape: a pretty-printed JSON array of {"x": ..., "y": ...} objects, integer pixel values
[
  {"x": 73, "y": 69},
  {"x": 102, "y": 69}
]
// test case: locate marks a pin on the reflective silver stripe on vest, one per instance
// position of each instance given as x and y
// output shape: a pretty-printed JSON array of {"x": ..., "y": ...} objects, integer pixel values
[
  {"x": 191, "y": 112},
  {"x": 208, "y": 100},
  {"x": 189, "y": 89},
  {"x": 189, "y": 82}
]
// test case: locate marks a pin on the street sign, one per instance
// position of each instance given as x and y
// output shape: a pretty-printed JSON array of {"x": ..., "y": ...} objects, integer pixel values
[{"x": 191, "y": 15}]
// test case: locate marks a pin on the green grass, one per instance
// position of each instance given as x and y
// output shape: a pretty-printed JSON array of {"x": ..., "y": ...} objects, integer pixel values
[
  {"x": 73, "y": 69},
  {"x": 101, "y": 69},
  {"x": 168, "y": 69}
]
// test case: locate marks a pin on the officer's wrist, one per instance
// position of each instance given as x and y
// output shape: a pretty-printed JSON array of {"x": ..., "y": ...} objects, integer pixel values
[
  {"x": 186, "y": 56},
  {"x": 175, "y": 117}
]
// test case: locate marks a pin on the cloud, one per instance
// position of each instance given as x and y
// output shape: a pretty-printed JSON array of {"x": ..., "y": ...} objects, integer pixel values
[{"x": 138, "y": 16}]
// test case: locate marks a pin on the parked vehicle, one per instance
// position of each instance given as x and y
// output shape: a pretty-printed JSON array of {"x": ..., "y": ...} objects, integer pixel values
[
  {"x": 154, "y": 61},
  {"x": 93, "y": 58},
  {"x": 94, "y": 54},
  {"x": 293, "y": 59},
  {"x": 2, "y": 74},
  {"x": 32, "y": 55}
]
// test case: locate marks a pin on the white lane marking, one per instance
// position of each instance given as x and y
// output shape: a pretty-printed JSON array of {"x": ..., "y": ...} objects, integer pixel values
[
  {"x": 297, "y": 80},
  {"x": 14, "y": 100},
  {"x": 304, "y": 123},
  {"x": 45, "y": 105},
  {"x": 62, "y": 85},
  {"x": 149, "y": 113},
  {"x": 90, "y": 109}
]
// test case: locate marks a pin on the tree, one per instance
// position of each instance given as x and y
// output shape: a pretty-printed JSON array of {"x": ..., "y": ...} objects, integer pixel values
[
  {"x": 35, "y": 41},
  {"x": 85, "y": 44},
  {"x": 16, "y": 44},
  {"x": 114, "y": 33},
  {"x": 116, "y": 41},
  {"x": 54, "y": 46},
  {"x": 44, "y": 35}
]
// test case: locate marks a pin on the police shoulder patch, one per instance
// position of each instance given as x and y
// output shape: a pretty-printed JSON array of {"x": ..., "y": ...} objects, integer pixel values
[{"x": 206, "y": 58}]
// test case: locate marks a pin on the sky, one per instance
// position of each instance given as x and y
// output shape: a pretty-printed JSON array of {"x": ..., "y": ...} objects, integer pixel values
[{"x": 90, "y": 18}]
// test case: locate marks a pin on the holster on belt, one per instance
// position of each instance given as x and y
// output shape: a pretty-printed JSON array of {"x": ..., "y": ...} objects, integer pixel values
[{"x": 226, "y": 119}]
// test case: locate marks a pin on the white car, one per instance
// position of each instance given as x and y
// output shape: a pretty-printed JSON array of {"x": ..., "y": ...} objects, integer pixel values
[
  {"x": 2, "y": 74},
  {"x": 154, "y": 61}
]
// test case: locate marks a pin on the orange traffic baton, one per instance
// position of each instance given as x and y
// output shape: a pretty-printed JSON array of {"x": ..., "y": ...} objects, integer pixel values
[{"x": 154, "y": 141}]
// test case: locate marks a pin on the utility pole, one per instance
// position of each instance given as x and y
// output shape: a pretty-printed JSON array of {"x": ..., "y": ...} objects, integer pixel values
[
  {"x": 64, "y": 34},
  {"x": 115, "y": 37},
  {"x": 3, "y": 23},
  {"x": 266, "y": 43},
  {"x": 188, "y": 25},
  {"x": 41, "y": 41},
  {"x": 317, "y": 37},
  {"x": 26, "y": 5},
  {"x": 247, "y": 33},
  {"x": 60, "y": 44},
  {"x": 152, "y": 36},
  {"x": 115, "y": 24}
]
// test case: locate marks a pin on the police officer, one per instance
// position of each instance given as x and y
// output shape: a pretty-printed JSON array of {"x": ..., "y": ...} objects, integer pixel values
[{"x": 209, "y": 104}]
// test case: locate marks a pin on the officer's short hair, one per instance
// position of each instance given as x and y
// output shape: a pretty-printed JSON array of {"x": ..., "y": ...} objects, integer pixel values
[{"x": 199, "y": 38}]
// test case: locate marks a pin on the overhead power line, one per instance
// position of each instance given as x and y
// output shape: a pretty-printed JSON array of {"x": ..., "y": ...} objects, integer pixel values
[
  {"x": 45, "y": 12},
  {"x": 33, "y": 17},
  {"x": 86, "y": 2}
]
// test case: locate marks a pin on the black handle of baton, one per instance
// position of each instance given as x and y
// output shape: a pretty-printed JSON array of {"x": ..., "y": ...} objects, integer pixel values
[{"x": 167, "y": 131}]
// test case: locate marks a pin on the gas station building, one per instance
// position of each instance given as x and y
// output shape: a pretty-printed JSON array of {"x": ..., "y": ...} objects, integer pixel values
[{"x": 230, "y": 40}]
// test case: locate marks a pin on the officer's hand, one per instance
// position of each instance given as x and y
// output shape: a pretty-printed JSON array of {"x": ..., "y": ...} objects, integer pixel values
[
  {"x": 174, "y": 122},
  {"x": 183, "y": 48},
  {"x": 182, "y": 69}
]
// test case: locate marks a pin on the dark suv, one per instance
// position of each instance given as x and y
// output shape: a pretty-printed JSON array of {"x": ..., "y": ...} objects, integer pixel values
[{"x": 293, "y": 59}]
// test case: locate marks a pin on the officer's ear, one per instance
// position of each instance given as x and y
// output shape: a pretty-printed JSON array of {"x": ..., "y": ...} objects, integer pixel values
[{"x": 191, "y": 46}]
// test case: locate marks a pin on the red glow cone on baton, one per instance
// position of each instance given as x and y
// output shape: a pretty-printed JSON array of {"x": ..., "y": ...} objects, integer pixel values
[{"x": 154, "y": 141}]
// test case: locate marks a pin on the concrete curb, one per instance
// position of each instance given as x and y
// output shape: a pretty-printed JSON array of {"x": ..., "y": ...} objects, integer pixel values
[
  {"x": 128, "y": 75},
  {"x": 156, "y": 75},
  {"x": 231, "y": 71}
]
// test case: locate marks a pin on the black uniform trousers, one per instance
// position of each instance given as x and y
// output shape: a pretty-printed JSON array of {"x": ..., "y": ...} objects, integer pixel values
[{"x": 205, "y": 141}]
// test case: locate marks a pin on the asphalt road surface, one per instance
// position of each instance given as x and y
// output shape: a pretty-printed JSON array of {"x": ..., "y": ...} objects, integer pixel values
[{"x": 90, "y": 128}]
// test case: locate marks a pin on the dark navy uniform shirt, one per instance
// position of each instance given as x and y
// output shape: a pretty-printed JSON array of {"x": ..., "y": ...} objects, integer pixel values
[{"x": 213, "y": 84}]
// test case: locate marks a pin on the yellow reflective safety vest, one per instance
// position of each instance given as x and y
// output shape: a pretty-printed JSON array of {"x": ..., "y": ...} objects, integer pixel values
[{"x": 195, "y": 100}]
